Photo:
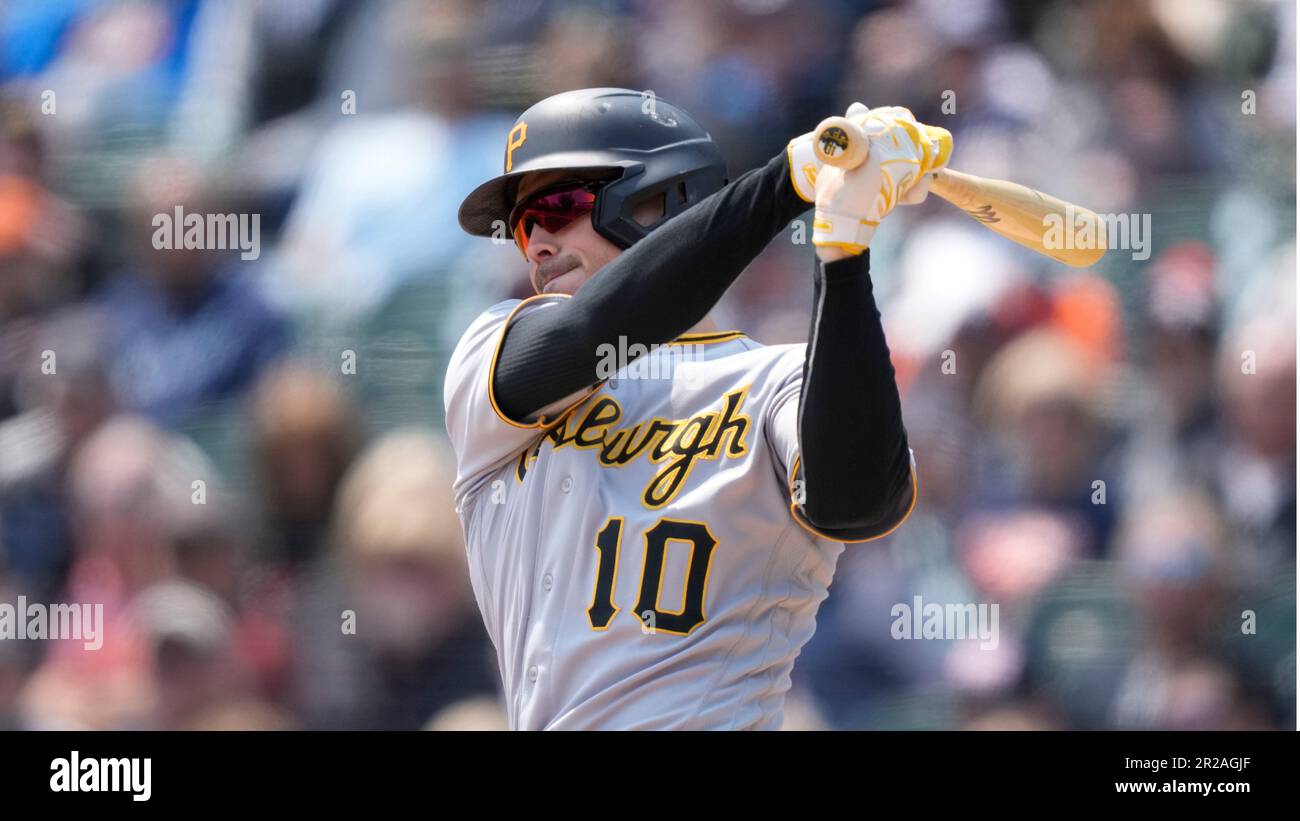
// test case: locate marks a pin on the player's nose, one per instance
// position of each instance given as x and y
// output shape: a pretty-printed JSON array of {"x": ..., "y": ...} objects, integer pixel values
[{"x": 541, "y": 245}]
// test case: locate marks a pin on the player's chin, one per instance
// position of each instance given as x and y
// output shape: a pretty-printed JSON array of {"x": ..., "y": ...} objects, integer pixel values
[{"x": 566, "y": 283}]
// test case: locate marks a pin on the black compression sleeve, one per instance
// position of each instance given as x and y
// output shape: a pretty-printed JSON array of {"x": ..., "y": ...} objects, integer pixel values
[
  {"x": 650, "y": 294},
  {"x": 853, "y": 449}
]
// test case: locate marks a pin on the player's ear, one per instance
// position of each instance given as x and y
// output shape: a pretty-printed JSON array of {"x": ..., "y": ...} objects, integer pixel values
[{"x": 650, "y": 211}]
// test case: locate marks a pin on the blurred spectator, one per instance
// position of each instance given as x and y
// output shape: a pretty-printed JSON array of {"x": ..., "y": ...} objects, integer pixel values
[
  {"x": 186, "y": 327},
  {"x": 1174, "y": 559},
  {"x": 244, "y": 716},
  {"x": 135, "y": 488},
  {"x": 63, "y": 407},
  {"x": 132, "y": 494},
  {"x": 1257, "y": 468},
  {"x": 416, "y": 642},
  {"x": 305, "y": 433},
  {"x": 376, "y": 207},
  {"x": 1039, "y": 400},
  {"x": 479, "y": 713},
  {"x": 801, "y": 715},
  {"x": 1011, "y": 556},
  {"x": 1010, "y": 716},
  {"x": 189, "y": 632},
  {"x": 1177, "y": 430},
  {"x": 40, "y": 239},
  {"x": 14, "y": 669}
]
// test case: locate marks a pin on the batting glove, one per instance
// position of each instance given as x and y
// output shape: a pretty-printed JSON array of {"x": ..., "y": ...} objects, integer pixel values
[
  {"x": 902, "y": 157},
  {"x": 804, "y": 162}
]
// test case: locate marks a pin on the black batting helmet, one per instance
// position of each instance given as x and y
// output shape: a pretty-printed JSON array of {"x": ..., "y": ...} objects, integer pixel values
[{"x": 645, "y": 146}]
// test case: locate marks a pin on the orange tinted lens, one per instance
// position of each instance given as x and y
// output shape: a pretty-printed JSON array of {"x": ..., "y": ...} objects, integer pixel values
[
  {"x": 553, "y": 210},
  {"x": 521, "y": 237}
]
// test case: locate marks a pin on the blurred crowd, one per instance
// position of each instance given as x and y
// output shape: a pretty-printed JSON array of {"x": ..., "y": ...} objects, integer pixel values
[{"x": 242, "y": 459}]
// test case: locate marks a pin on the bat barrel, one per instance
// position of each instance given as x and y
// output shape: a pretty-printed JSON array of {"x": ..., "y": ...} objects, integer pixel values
[{"x": 1014, "y": 211}]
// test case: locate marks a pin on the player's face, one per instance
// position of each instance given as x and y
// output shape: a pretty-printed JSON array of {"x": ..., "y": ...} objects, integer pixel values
[{"x": 568, "y": 253}]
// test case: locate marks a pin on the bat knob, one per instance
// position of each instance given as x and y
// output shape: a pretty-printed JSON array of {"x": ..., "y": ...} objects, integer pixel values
[{"x": 840, "y": 142}]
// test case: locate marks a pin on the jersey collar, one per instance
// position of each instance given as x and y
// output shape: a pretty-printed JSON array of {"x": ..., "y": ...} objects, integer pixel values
[{"x": 707, "y": 338}]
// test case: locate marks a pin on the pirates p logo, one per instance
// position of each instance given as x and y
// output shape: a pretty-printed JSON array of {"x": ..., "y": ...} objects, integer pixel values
[{"x": 517, "y": 136}]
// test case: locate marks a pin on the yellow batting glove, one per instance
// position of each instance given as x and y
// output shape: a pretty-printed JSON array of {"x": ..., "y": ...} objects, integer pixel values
[
  {"x": 933, "y": 145},
  {"x": 850, "y": 203}
]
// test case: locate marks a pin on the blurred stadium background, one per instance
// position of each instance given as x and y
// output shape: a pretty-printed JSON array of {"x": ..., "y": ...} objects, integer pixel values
[{"x": 327, "y": 490}]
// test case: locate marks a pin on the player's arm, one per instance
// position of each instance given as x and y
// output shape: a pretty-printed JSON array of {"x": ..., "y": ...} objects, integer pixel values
[
  {"x": 650, "y": 294},
  {"x": 855, "y": 464}
]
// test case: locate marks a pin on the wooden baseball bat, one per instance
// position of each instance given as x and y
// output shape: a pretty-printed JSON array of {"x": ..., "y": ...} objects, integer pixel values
[{"x": 1038, "y": 221}]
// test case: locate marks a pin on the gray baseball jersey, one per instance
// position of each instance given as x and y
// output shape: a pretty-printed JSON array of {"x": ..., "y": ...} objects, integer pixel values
[{"x": 636, "y": 554}]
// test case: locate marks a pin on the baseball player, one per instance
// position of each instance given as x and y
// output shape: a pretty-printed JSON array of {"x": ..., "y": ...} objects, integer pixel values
[{"x": 654, "y": 507}]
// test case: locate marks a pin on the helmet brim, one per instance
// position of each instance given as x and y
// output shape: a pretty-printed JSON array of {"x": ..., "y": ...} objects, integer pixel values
[{"x": 494, "y": 199}]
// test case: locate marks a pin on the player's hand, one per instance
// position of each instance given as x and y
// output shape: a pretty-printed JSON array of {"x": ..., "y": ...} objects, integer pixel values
[
  {"x": 902, "y": 157},
  {"x": 805, "y": 162},
  {"x": 851, "y": 202},
  {"x": 933, "y": 143}
]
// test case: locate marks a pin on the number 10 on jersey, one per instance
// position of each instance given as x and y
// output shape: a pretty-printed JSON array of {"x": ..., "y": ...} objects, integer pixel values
[{"x": 654, "y": 619}]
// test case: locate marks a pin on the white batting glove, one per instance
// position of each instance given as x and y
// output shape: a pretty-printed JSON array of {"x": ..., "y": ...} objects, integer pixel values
[
  {"x": 852, "y": 202},
  {"x": 901, "y": 160},
  {"x": 935, "y": 146},
  {"x": 805, "y": 162}
]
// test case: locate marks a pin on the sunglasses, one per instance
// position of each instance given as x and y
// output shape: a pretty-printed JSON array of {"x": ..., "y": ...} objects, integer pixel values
[{"x": 552, "y": 208}]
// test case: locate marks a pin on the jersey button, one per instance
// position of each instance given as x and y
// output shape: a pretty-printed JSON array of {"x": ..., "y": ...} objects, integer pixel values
[
  {"x": 532, "y": 673},
  {"x": 567, "y": 484},
  {"x": 546, "y": 581}
]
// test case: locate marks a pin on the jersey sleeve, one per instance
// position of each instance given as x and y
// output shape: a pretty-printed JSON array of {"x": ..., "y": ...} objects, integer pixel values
[
  {"x": 781, "y": 424},
  {"x": 480, "y": 432}
]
